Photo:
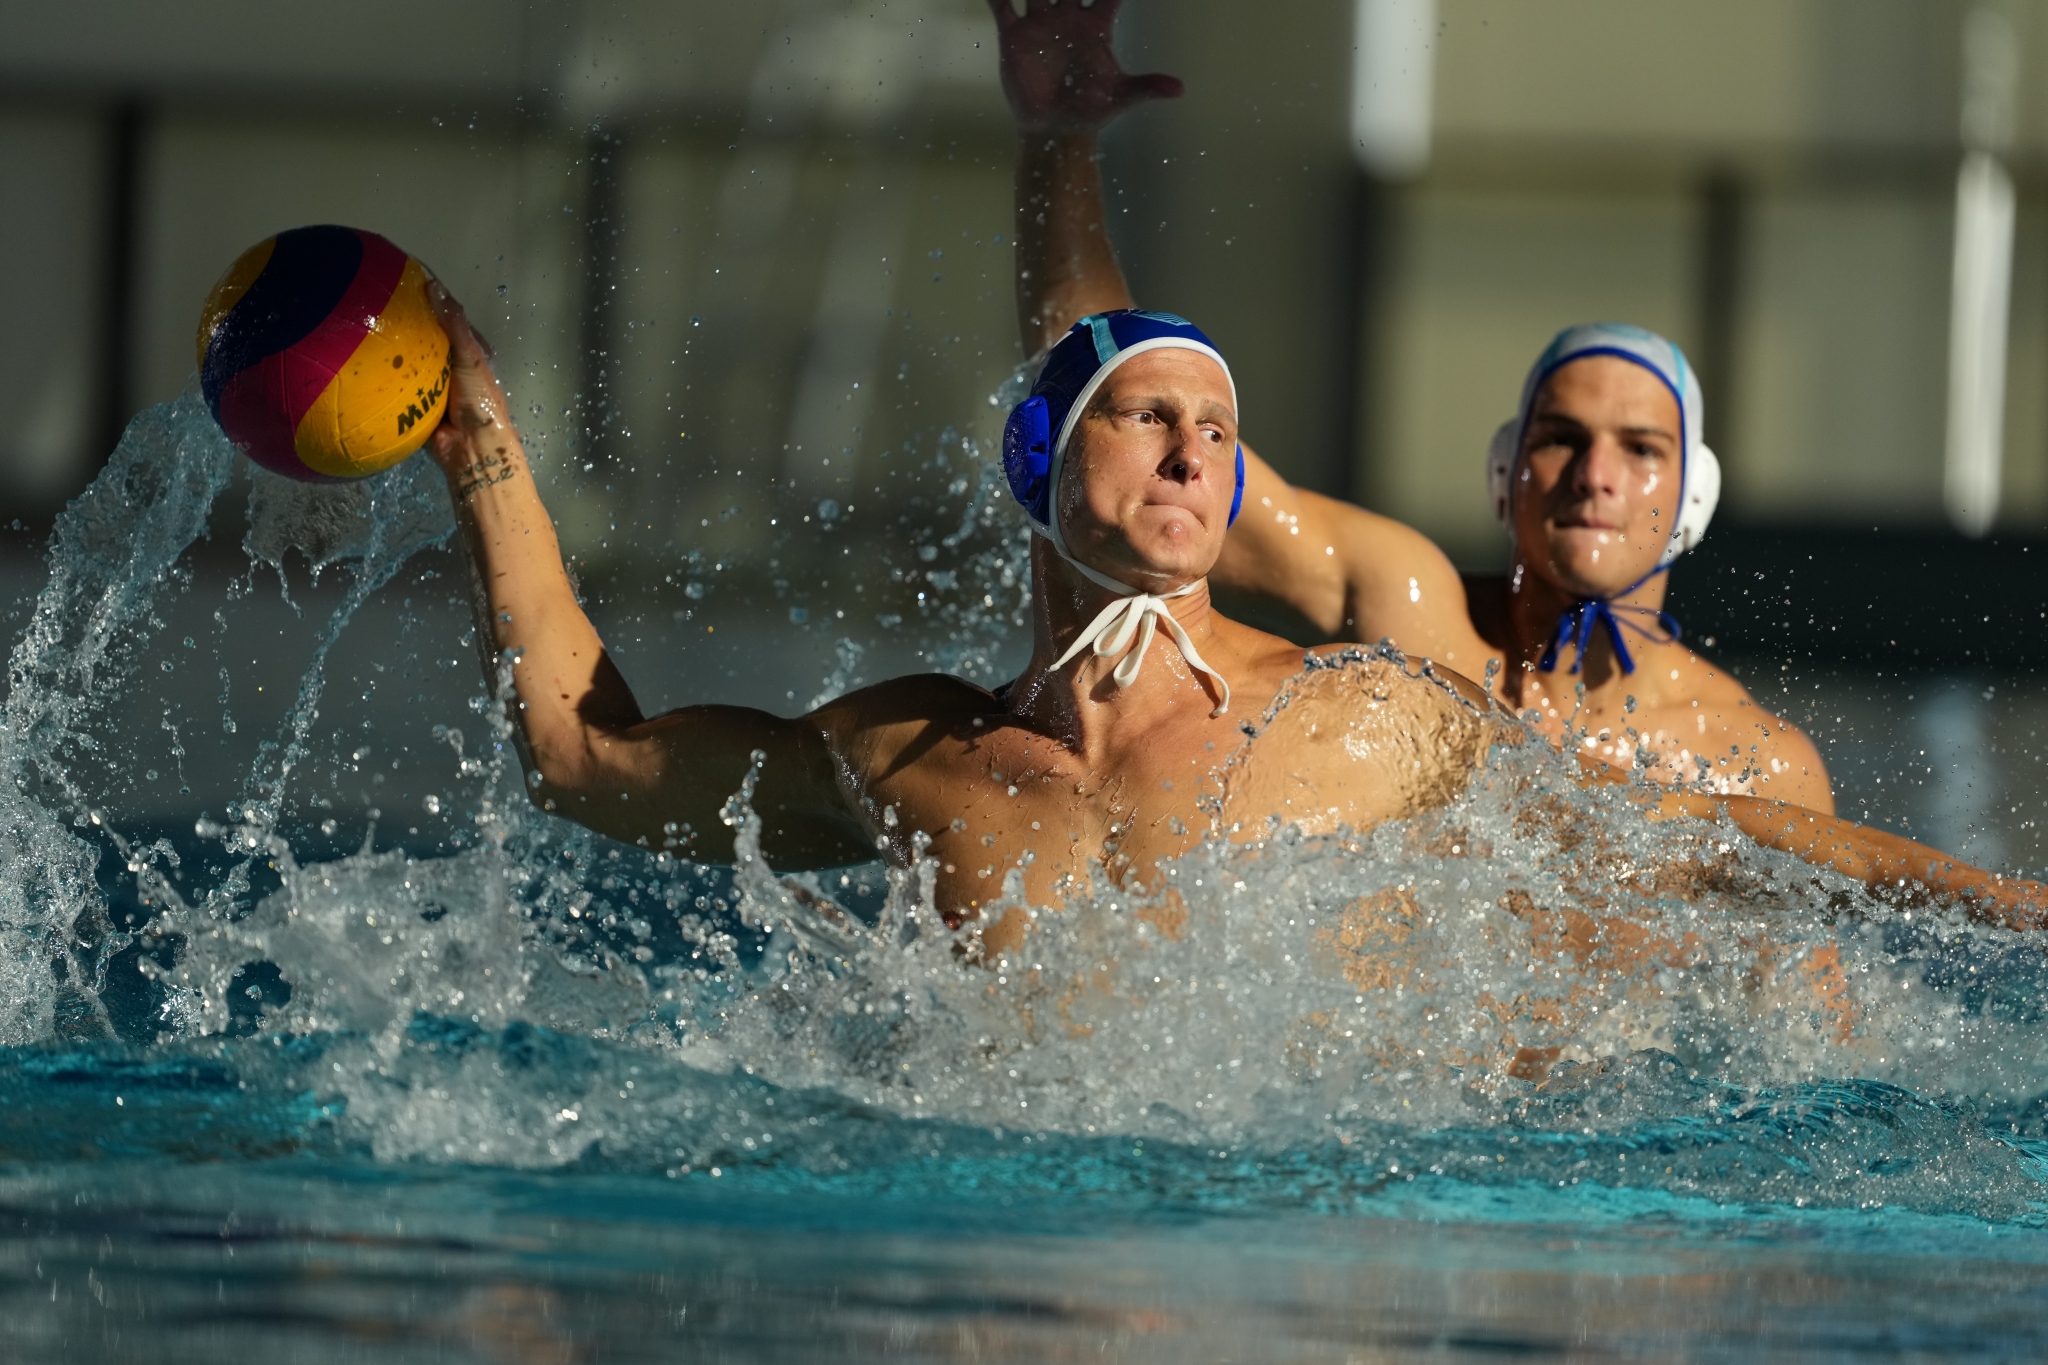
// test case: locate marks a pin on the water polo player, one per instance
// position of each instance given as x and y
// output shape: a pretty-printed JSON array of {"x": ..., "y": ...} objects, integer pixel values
[
  {"x": 1094, "y": 761},
  {"x": 1113, "y": 749},
  {"x": 1602, "y": 477}
]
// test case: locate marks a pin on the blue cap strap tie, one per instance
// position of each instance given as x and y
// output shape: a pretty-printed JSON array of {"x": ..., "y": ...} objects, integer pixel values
[{"x": 1575, "y": 627}]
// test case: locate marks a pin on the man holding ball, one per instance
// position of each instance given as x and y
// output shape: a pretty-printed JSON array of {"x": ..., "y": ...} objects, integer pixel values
[{"x": 1099, "y": 758}]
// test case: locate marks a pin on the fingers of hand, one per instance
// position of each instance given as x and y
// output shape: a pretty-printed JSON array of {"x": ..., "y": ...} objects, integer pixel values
[
  {"x": 442, "y": 302},
  {"x": 466, "y": 344},
  {"x": 1155, "y": 86}
]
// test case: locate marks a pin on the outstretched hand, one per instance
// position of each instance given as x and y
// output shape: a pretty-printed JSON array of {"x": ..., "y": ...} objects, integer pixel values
[
  {"x": 1059, "y": 65},
  {"x": 1881, "y": 860},
  {"x": 476, "y": 401},
  {"x": 2008, "y": 902}
]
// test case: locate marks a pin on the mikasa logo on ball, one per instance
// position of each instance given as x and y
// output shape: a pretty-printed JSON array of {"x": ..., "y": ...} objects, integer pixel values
[
  {"x": 308, "y": 345},
  {"x": 430, "y": 398}
]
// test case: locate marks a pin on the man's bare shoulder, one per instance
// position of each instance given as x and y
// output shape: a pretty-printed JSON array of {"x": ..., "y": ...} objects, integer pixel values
[
  {"x": 888, "y": 715},
  {"x": 1781, "y": 759},
  {"x": 1272, "y": 667},
  {"x": 1432, "y": 709},
  {"x": 1392, "y": 670},
  {"x": 1704, "y": 678},
  {"x": 1355, "y": 736},
  {"x": 1725, "y": 724},
  {"x": 1718, "y": 690}
]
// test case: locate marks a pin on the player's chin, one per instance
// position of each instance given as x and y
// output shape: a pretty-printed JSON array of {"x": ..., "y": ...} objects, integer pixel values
[
  {"x": 1588, "y": 565},
  {"x": 1173, "y": 540},
  {"x": 1172, "y": 521}
]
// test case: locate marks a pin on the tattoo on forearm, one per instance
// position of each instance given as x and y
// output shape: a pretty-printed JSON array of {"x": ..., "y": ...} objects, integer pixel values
[{"x": 482, "y": 472}]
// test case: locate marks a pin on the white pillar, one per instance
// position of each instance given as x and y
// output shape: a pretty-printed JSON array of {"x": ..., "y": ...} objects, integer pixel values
[
  {"x": 1393, "y": 81},
  {"x": 1981, "y": 284}
]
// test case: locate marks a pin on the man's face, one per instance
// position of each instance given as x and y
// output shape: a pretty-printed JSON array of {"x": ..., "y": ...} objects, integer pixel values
[
  {"x": 1597, "y": 487},
  {"x": 1150, "y": 471}
]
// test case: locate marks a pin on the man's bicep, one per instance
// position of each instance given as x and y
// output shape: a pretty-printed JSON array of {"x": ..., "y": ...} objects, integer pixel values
[
  {"x": 1388, "y": 565},
  {"x": 699, "y": 758},
  {"x": 1276, "y": 550},
  {"x": 1398, "y": 585}
]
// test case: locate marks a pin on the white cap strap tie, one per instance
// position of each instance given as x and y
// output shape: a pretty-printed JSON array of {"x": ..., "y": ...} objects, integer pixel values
[{"x": 1139, "y": 615}]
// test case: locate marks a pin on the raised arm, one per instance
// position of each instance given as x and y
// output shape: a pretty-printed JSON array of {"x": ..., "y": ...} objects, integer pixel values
[
  {"x": 1063, "y": 81},
  {"x": 1354, "y": 574},
  {"x": 598, "y": 761}
]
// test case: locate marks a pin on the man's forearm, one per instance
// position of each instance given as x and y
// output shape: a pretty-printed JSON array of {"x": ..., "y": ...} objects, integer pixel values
[
  {"x": 601, "y": 764},
  {"x": 570, "y": 694},
  {"x": 663, "y": 781},
  {"x": 1066, "y": 266},
  {"x": 1874, "y": 857}
]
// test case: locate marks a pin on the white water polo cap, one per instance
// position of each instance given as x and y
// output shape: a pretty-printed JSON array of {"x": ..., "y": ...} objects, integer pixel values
[{"x": 1699, "y": 475}]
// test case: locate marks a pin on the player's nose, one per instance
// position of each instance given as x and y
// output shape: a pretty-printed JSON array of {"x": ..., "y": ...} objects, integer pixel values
[
  {"x": 1598, "y": 469},
  {"x": 1185, "y": 456}
]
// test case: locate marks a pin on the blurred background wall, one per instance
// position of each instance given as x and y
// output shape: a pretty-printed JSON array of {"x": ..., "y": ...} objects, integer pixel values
[
  {"x": 701, "y": 234},
  {"x": 746, "y": 260}
]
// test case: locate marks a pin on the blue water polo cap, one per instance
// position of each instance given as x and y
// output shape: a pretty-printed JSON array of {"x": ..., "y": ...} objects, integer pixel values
[
  {"x": 1036, "y": 436},
  {"x": 1699, "y": 474}
]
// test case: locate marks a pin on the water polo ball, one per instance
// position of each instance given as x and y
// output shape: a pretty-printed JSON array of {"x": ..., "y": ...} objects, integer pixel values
[{"x": 320, "y": 356}]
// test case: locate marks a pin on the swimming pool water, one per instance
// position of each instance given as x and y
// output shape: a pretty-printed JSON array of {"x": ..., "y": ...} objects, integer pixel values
[
  {"x": 316, "y": 1262},
  {"x": 451, "y": 1080}
]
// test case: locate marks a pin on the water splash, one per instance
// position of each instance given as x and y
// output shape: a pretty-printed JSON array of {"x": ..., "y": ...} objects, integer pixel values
[
  {"x": 114, "y": 549},
  {"x": 1529, "y": 988}
]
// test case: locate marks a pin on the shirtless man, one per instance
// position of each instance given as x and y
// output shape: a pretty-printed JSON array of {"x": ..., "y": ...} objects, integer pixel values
[
  {"x": 1601, "y": 477},
  {"x": 1095, "y": 760}
]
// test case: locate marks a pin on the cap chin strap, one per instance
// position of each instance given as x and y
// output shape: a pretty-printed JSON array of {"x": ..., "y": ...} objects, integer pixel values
[
  {"x": 1136, "y": 615},
  {"x": 1575, "y": 626}
]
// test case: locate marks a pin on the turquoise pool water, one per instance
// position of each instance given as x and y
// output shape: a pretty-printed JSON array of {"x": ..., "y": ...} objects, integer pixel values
[
  {"x": 451, "y": 1081},
  {"x": 306, "y": 1262}
]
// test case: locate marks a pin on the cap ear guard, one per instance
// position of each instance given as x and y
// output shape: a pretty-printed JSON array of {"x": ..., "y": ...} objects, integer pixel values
[
  {"x": 1027, "y": 455},
  {"x": 1702, "y": 496},
  {"x": 1500, "y": 467},
  {"x": 1027, "y": 461}
]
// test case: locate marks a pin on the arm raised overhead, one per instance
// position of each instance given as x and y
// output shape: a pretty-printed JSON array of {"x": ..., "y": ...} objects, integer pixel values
[
  {"x": 1063, "y": 81},
  {"x": 590, "y": 753},
  {"x": 1352, "y": 573}
]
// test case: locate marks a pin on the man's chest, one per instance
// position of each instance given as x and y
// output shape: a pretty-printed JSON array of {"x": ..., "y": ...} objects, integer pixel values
[
  {"x": 1340, "y": 748},
  {"x": 1003, "y": 806}
]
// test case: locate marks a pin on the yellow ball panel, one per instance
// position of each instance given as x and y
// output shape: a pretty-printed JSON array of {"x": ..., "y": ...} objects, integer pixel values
[
  {"x": 317, "y": 438},
  {"x": 390, "y": 393},
  {"x": 228, "y": 292}
]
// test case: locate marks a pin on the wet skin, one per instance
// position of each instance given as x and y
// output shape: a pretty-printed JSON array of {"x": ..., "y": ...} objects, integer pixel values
[
  {"x": 1065, "y": 775},
  {"x": 1595, "y": 491},
  {"x": 1111, "y": 777},
  {"x": 1597, "y": 507},
  {"x": 1591, "y": 516}
]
